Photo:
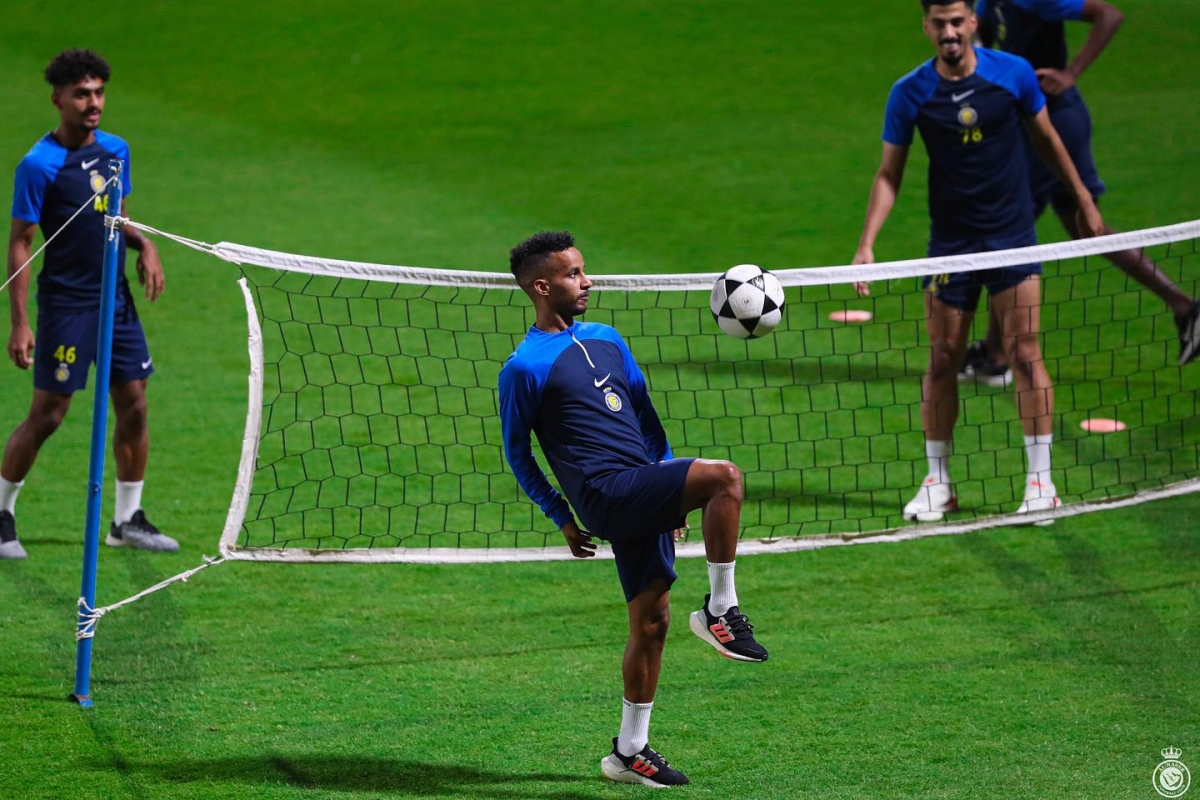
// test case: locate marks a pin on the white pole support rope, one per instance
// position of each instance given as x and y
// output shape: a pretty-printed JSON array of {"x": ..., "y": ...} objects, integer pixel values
[
  {"x": 53, "y": 236},
  {"x": 93, "y": 615}
]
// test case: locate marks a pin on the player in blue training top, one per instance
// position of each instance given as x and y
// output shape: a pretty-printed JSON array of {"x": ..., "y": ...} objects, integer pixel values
[
  {"x": 970, "y": 107},
  {"x": 1035, "y": 31},
  {"x": 577, "y": 387},
  {"x": 66, "y": 172}
]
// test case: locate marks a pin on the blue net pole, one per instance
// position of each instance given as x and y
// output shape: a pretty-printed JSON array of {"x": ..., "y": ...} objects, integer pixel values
[{"x": 91, "y": 541}]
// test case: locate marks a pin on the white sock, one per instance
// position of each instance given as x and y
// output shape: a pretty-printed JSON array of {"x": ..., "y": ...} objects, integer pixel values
[
  {"x": 938, "y": 454},
  {"x": 635, "y": 727},
  {"x": 8, "y": 495},
  {"x": 129, "y": 500},
  {"x": 723, "y": 594},
  {"x": 1037, "y": 455}
]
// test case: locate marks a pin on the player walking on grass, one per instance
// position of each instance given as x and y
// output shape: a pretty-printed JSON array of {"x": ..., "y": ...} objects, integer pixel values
[
  {"x": 970, "y": 106},
  {"x": 67, "y": 169},
  {"x": 1035, "y": 31},
  {"x": 577, "y": 387}
]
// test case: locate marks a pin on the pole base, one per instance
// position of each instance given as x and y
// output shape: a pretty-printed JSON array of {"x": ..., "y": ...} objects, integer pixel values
[{"x": 84, "y": 700}]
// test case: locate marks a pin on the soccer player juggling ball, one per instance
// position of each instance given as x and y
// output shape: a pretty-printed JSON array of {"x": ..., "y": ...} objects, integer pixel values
[
  {"x": 970, "y": 106},
  {"x": 576, "y": 386},
  {"x": 65, "y": 171}
]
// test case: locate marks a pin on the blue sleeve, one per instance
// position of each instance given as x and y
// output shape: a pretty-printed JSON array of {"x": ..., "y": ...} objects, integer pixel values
[
  {"x": 900, "y": 117},
  {"x": 518, "y": 409},
  {"x": 29, "y": 190},
  {"x": 982, "y": 10},
  {"x": 1029, "y": 92},
  {"x": 1052, "y": 10},
  {"x": 652, "y": 430}
]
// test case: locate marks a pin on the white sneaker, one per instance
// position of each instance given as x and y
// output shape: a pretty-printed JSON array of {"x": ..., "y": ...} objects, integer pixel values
[
  {"x": 932, "y": 502},
  {"x": 140, "y": 534},
  {"x": 1040, "y": 497}
]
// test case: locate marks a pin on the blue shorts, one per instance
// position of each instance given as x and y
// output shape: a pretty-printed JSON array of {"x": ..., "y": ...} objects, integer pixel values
[
  {"x": 1070, "y": 117},
  {"x": 66, "y": 346},
  {"x": 961, "y": 289},
  {"x": 637, "y": 511}
]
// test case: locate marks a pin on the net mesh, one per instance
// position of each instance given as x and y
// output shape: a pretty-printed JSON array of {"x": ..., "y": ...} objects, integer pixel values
[{"x": 378, "y": 432}]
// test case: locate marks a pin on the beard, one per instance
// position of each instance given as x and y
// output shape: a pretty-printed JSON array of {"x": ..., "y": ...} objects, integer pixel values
[{"x": 955, "y": 59}]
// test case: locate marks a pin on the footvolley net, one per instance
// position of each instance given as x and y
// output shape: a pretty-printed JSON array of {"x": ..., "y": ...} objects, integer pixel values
[{"x": 372, "y": 430}]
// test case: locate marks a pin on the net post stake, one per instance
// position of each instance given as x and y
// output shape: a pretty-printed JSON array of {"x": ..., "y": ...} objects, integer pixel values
[{"x": 91, "y": 541}]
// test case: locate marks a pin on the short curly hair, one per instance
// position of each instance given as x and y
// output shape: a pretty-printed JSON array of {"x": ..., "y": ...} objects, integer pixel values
[
  {"x": 72, "y": 66},
  {"x": 531, "y": 254}
]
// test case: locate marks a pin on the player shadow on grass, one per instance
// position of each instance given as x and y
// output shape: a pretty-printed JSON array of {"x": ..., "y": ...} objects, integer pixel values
[{"x": 396, "y": 777}]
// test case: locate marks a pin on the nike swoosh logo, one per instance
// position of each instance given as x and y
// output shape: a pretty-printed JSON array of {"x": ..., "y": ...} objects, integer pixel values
[
  {"x": 602, "y": 381},
  {"x": 957, "y": 97},
  {"x": 147, "y": 363},
  {"x": 89, "y": 164}
]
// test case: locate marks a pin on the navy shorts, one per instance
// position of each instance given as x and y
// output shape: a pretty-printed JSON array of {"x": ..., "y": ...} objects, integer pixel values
[
  {"x": 961, "y": 289},
  {"x": 1070, "y": 117},
  {"x": 66, "y": 346},
  {"x": 637, "y": 511}
]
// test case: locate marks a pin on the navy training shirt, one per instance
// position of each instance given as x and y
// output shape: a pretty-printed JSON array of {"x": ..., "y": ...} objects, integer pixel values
[
  {"x": 581, "y": 392},
  {"x": 1035, "y": 31},
  {"x": 1031, "y": 29},
  {"x": 51, "y": 184},
  {"x": 978, "y": 184}
]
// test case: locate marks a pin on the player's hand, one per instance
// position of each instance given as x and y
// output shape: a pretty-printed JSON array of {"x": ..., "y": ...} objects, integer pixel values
[
  {"x": 579, "y": 541},
  {"x": 1089, "y": 221},
  {"x": 1055, "y": 81},
  {"x": 20, "y": 346},
  {"x": 150, "y": 271},
  {"x": 865, "y": 255},
  {"x": 681, "y": 534}
]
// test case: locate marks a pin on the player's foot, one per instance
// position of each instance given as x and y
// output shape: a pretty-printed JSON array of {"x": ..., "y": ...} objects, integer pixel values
[
  {"x": 1039, "y": 496},
  {"x": 730, "y": 633},
  {"x": 140, "y": 534},
  {"x": 10, "y": 545},
  {"x": 647, "y": 768},
  {"x": 1189, "y": 334},
  {"x": 933, "y": 501},
  {"x": 979, "y": 366}
]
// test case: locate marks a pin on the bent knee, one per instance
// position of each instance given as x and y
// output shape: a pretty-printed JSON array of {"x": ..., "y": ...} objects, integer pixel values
[
  {"x": 1025, "y": 352},
  {"x": 132, "y": 413},
  {"x": 45, "y": 418},
  {"x": 654, "y": 627},
  {"x": 943, "y": 362}
]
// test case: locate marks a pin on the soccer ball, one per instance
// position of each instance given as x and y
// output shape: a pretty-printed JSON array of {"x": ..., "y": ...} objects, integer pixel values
[{"x": 747, "y": 301}]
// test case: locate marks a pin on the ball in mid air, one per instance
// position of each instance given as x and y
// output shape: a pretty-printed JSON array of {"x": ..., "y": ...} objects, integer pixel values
[{"x": 747, "y": 301}]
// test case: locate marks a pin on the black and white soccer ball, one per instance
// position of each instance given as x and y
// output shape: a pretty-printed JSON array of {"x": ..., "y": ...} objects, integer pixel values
[{"x": 747, "y": 301}]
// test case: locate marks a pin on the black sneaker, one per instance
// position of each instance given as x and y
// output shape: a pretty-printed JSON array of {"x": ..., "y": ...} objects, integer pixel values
[
  {"x": 140, "y": 534},
  {"x": 10, "y": 546},
  {"x": 731, "y": 633},
  {"x": 1189, "y": 334},
  {"x": 974, "y": 355},
  {"x": 647, "y": 768},
  {"x": 978, "y": 366}
]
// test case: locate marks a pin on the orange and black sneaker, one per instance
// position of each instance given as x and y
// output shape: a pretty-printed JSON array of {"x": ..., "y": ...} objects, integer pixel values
[
  {"x": 647, "y": 768},
  {"x": 730, "y": 633}
]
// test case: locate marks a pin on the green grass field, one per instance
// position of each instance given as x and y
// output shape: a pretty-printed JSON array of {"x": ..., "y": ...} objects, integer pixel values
[{"x": 677, "y": 137}]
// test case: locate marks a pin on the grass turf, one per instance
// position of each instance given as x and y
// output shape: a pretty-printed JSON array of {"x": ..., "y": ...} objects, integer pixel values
[{"x": 683, "y": 137}]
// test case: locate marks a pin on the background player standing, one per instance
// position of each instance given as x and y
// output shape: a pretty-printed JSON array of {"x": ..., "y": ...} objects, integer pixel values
[
  {"x": 577, "y": 387},
  {"x": 67, "y": 169},
  {"x": 970, "y": 107},
  {"x": 1035, "y": 30}
]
